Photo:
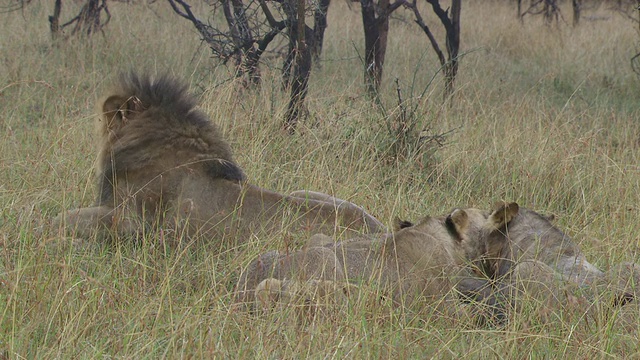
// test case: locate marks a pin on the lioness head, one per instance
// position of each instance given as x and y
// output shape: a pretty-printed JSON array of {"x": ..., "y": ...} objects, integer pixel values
[
  {"x": 487, "y": 239},
  {"x": 480, "y": 234}
]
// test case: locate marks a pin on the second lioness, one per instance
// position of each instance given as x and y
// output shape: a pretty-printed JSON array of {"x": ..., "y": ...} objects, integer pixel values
[
  {"x": 532, "y": 236},
  {"x": 535, "y": 253},
  {"x": 423, "y": 261}
]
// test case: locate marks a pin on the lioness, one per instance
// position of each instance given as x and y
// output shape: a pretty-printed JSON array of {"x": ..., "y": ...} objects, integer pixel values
[
  {"x": 532, "y": 236},
  {"x": 423, "y": 261},
  {"x": 163, "y": 162},
  {"x": 535, "y": 256}
]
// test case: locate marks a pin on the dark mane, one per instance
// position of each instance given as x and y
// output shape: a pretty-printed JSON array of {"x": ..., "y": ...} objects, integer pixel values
[
  {"x": 152, "y": 119},
  {"x": 165, "y": 93}
]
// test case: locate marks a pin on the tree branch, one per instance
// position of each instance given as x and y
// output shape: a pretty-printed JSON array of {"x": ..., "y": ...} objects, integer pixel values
[{"x": 434, "y": 43}]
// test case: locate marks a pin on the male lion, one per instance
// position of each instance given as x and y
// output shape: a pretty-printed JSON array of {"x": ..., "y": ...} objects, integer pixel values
[
  {"x": 423, "y": 261},
  {"x": 163, "y": 162}
]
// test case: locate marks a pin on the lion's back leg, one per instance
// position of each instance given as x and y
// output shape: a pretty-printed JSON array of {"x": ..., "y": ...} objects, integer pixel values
[
  {"x": 373, "y": 225},
  {"x": 314, "y": 263},
  {"x": 307, "y": 297},
  {"x": 87, "y": 222}
]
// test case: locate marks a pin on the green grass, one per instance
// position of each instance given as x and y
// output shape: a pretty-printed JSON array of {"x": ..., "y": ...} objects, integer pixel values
[{"x": 547, "y": 117}]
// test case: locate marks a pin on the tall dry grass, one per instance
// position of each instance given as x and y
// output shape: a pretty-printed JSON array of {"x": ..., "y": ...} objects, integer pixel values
[{"x": 546, "y": 116}]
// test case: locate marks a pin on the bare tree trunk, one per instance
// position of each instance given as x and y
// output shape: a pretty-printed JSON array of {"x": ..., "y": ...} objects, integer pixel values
[
  {"x": 519, "y": 10},
  {"x": 453, "y": 45},
  {"x": 233, "y": 31},
  {"x": 245, "y": 58},
  {"x": 577, "y": 6},
  {"x": 376, "y": 29},
  {"x": 290, "y": 10},
  {"x": 319, "y": 26},
  {"x": 54, "y": 20},
  {"x": 550, "y": 11},
  {"x": 452, "y": 30},
  {"x": 299, "y": 84},
  {"x": 88, "y": 21},
  {"x": 451, "y": 25}
]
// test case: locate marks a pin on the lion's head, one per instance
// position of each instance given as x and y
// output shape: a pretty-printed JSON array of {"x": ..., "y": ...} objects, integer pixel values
[{"x": 150, "y": 127}]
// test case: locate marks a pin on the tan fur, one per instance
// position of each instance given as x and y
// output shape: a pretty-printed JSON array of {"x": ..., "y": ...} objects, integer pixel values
[
  {"x": 425, "y": 261},
  {"x": 531, "y": 236},
  {"x": 537, "y": 291},
  {"x": 162, "y": 162},
  {"x": 540, "y": 294},
  {"x": 532, "y": 258},
  {"x": 308, "y": 297}
]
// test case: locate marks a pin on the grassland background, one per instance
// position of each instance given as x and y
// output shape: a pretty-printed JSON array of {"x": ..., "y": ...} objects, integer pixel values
[{"x": 545, "y": 116}]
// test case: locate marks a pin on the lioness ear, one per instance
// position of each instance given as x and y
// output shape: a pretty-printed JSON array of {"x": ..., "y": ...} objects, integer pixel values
[
  {"x": 503, "y": 214},
  {"x": 117, "y": 109},
  {"x": 458, "y": 223},
  {"x": 549, "y": 217},
  {"x": 399, "y": 224}
]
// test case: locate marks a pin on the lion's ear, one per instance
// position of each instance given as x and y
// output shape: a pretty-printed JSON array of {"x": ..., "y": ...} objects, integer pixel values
[
  {"x": 549, "y": 217},
  {"x": 503, "y": 214},
  {"x": 458, "y": 222},
  {"x": 116, "y": 110},
  {"x": 399, "y": 224}
]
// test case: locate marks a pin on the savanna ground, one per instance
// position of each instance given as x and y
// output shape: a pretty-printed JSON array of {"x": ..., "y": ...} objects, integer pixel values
[{"x": 545, "y": 116}]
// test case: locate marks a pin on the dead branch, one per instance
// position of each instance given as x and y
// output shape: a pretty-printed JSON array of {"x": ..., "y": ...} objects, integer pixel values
[
  {"x": 88, "y": 21},
  {"x": 16, "y": 5},
  {"x": 425, "y": 28},
  {"x": 635, "y": 64}
]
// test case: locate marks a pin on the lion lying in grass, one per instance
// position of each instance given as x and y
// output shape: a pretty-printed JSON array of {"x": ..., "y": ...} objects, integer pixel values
[
  {"x": 537, "y": 260},
  {"x": 532, "y": 236},
  {"x": 422, "y": 262},
  {"x": 162, "y": 162},
  {"x": 503, "y": 258}
]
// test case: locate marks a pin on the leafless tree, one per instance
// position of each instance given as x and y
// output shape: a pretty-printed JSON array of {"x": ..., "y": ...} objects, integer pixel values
[
  {"x": 519, "y": 7},
  {"x": 299, "y": 83},
  {"x": 319, "y": 26},
  {"x": 547, "y": 8},
  {"x": 249, "y": 28},
  {"x": 297, "y": 31},
  {"x": 375, "y": 19},
  {"x": 88, "y": 21},
  {"x": 54, "y": 20},
  {"x": 576, "y": 5},
  {"x": 450, "y": 20}
]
